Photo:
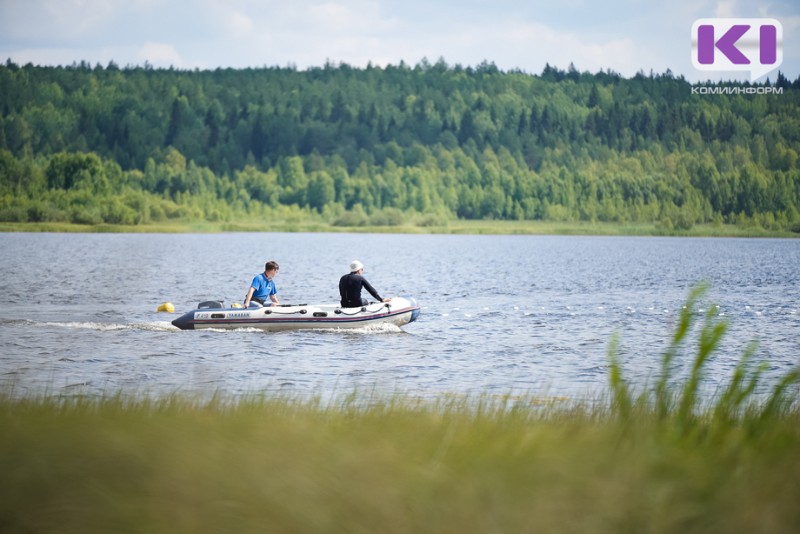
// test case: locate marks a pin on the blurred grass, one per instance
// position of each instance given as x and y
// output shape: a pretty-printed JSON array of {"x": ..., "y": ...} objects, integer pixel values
[
  {"x": 655, "y": 460},
  {"x": 277, "y": 465}
]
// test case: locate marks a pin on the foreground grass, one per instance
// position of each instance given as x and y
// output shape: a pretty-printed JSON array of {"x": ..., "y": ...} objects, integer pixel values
[
  {"x": 640, "y": 461},
  {"x": 281, "y": 466},
  {"x": 452, "y": 227}
]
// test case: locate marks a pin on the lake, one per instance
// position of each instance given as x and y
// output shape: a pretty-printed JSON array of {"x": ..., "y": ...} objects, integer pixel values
[{"x": 500, "y": 314}]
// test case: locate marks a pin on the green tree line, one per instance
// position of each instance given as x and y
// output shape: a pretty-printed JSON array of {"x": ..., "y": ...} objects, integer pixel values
[{"x": 372, "y": 145}]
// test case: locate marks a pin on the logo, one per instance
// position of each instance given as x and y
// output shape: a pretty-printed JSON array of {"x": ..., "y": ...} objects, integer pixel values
[{"x": 753, "y": 45}]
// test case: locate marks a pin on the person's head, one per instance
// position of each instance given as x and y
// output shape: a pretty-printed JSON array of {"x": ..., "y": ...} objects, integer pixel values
[
  {"x": 356, "y": 266},
  {"x": 271, "y": 268}
]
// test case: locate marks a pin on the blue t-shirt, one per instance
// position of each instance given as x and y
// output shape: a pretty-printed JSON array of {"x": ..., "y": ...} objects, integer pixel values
[{"x": 263, "y": 287}]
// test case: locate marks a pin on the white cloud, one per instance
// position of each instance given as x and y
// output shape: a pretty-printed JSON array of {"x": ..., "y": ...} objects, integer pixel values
[
  {"x": 239, "y": 24},
  {"x": 344, "y": 16},
  {"x": 332, "y": 14},
  {"x": 234, "y": 21},
  {"x": 159, "y": 55},
  {"x": 725, "y": 9}
]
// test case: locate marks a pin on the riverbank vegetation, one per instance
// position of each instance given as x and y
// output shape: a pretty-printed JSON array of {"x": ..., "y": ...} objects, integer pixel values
[
  {"x": 662, "y": 459},
  {"x": 423, "y": 147},
  {"x": 458, "y": 226}
]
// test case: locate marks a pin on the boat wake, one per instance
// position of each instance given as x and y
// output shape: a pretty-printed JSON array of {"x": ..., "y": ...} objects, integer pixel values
[
  {"x": 155, "y": 326},
  {"x": 377, "y": 328}
]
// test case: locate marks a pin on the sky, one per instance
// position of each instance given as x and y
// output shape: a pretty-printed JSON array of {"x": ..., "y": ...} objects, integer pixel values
[{"x": 625, "y": 36}]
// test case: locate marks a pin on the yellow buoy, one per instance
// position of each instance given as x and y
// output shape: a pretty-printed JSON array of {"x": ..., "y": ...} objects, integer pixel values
[
  {"x": 236, "y": 305},
  {"x": 166, "y": 307}
]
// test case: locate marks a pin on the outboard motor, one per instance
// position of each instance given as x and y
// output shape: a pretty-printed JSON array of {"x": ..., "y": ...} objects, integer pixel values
[{"x": 210, "y": 304}]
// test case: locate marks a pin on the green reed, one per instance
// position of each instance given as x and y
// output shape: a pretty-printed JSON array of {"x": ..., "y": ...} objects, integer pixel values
[{"x": 678, "y": 403}]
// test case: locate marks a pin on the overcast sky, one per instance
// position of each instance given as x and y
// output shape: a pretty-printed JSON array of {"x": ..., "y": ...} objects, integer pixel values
[{"x": 622, "y": 35}]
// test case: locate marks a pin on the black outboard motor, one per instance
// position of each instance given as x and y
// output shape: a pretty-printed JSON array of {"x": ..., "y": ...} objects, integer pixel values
[{"x": 210, "y": 304}]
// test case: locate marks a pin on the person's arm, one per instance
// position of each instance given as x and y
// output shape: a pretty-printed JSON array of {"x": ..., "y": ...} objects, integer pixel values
[
  {"x": 372, "y": 291},
  {"x": 273, "y": 290},
  {"x": 249, "y": 296}
]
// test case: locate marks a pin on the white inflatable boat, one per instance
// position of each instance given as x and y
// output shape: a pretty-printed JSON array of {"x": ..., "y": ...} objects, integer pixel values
[{"x": 210, "y": 314}]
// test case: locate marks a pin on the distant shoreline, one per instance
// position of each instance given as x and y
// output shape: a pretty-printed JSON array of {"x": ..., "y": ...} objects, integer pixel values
[{"x": 481, "y": 227}]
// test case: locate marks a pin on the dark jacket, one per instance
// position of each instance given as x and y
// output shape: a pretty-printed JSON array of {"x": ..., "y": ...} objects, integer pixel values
[{"x": 350, "y": 290}]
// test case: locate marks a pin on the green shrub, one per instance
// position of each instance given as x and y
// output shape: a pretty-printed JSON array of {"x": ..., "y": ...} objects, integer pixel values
[
  {"x": 387, "y": 217},
  {"x": 14, "y": 214}
]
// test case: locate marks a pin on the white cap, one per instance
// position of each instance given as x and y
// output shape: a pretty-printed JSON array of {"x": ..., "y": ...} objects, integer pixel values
[{"x": 356, "y": 265}]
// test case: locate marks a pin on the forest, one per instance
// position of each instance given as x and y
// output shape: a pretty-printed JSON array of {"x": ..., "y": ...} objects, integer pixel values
[{"x": 430, "y": 142}]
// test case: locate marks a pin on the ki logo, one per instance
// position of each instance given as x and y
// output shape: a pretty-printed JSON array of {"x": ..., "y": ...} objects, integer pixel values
[{"x": 751, "y": 45}]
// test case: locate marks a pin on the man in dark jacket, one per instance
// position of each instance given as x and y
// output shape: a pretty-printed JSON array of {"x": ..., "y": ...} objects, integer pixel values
[{"x": 350, "y": 287}]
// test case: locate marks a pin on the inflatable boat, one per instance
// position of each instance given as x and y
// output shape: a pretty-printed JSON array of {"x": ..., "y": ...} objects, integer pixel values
[{"x": 211, "y": 314}]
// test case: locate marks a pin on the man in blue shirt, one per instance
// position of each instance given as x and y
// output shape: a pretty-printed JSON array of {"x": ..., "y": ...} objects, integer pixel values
[{"x": 263, "y": 287}]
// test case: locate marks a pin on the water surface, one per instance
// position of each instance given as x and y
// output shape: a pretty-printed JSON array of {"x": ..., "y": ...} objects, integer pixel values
[{"x": 500, "y": 314}]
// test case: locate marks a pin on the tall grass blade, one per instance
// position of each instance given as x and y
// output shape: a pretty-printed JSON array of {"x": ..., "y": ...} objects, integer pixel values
[
  {"x": 622, "y": 396},
  {"x": 729, "y": 403},
  {"x": 710, "y": 337},
  {"x": 778, "y": 401},
  {"x": 664, "y": 396}
]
